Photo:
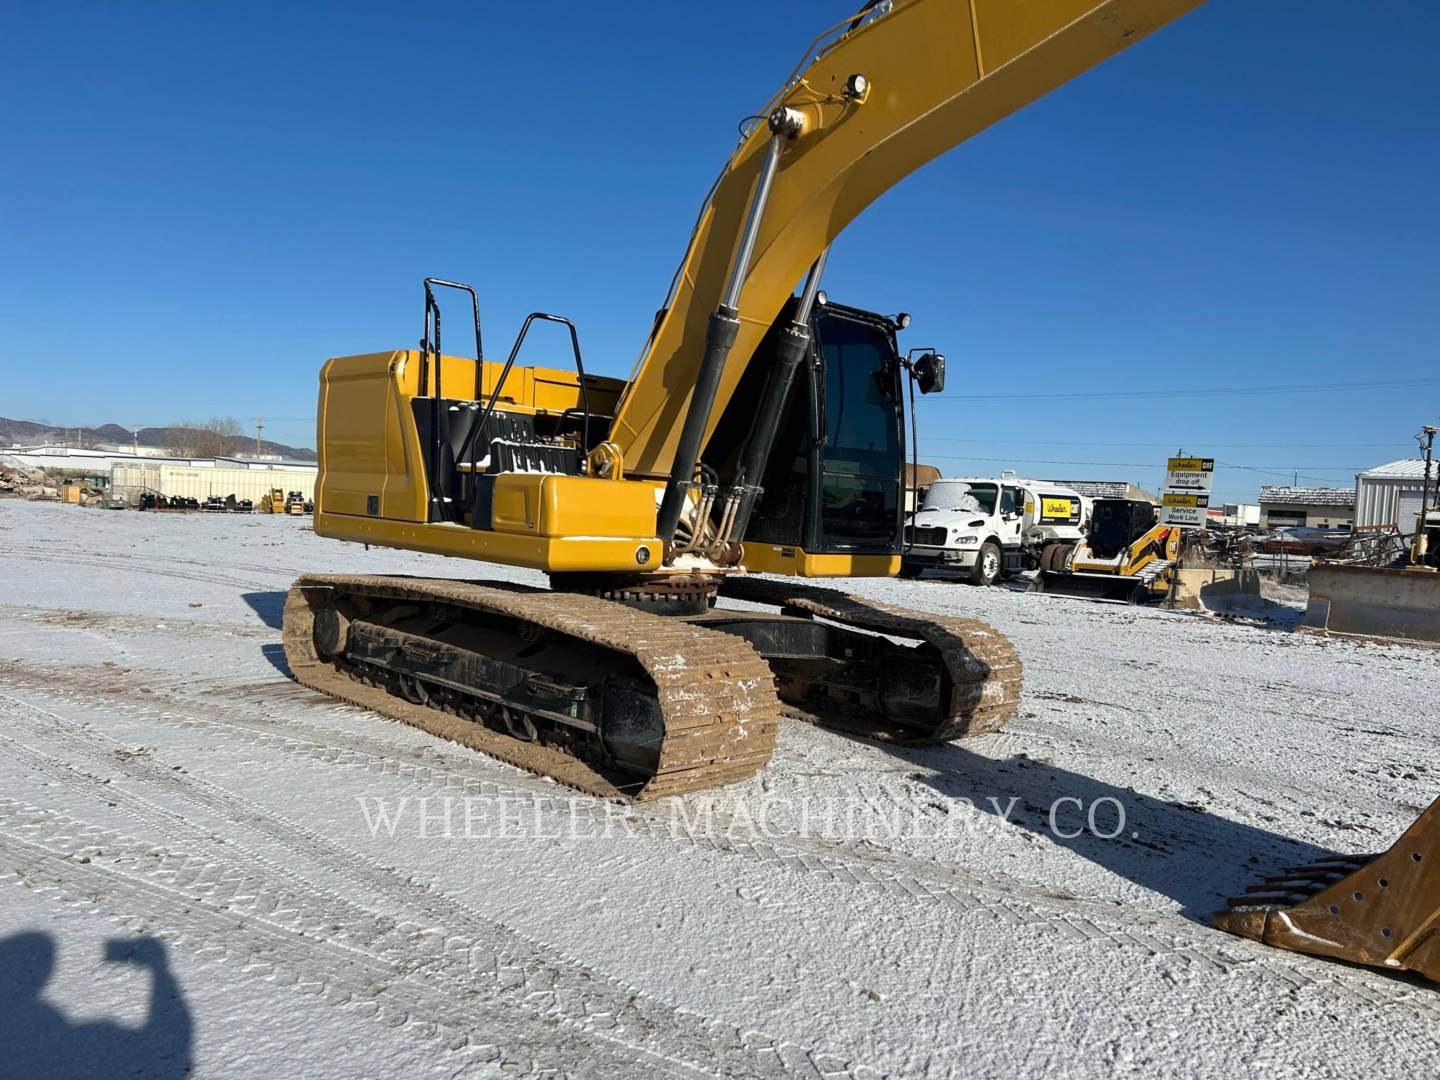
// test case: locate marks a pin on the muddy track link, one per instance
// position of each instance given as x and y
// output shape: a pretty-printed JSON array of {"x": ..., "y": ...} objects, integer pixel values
[
  {"x": 716, "y": 694},
  {"x": 984, "y": 667}
]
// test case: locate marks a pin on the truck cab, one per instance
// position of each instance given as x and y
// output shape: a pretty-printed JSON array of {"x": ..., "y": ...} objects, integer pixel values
[{"x": 989, "y": 527}]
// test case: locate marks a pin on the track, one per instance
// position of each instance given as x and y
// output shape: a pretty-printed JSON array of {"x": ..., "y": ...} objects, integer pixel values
[
  {"x": 984, "y": 669},
  {"x": 715, "y": 693}
]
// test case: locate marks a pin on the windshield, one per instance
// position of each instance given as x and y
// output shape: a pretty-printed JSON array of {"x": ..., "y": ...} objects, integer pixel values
[{"x": 955, "y": 495}]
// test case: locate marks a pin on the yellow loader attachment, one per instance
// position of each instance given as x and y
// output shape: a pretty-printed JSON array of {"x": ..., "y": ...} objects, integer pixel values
[{"x": 1382, "y": 910}]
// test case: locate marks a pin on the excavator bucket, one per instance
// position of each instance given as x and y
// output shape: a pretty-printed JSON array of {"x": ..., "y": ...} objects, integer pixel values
[
  {"x": 1371, "y": 601},
  {"x": 1382, "y": 910}
]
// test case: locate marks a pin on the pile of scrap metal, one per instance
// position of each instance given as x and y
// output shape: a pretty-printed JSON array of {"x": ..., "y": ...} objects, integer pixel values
[
  {"x": 153, "y": 500},
  {"x": 19, "y": 480},
  {"x": 228, "y": 505}
]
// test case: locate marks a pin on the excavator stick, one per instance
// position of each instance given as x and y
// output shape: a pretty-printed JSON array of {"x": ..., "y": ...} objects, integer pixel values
[
  {"x": 1374, "y": 602},
  {"x": 1381, "y": 910}
]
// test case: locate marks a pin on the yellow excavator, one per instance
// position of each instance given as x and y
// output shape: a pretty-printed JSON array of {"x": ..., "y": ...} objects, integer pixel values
[{"x": 762, "y": 429}]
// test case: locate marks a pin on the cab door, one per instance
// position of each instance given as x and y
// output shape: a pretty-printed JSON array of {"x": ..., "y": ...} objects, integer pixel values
[{"x": 1011, "y": 525}]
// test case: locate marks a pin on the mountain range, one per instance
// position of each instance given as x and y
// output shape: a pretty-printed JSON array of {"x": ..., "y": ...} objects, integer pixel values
[{"x": 29, "y": 432}]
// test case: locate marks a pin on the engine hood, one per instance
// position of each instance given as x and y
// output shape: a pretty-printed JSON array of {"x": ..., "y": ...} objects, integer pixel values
[{"x": 951, "y": 519}]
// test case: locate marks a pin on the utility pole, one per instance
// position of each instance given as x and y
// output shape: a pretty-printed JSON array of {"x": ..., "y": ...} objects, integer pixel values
[
  {"x": 259, "y": 427},
  {"x": 1426, "y": 438}
]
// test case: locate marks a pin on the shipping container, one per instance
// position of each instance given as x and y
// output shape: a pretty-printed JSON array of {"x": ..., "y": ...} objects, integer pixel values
[{"x": 129, "y": 479}]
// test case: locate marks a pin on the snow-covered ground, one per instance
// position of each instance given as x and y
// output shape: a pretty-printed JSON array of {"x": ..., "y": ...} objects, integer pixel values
[{"x": 295, "y": 887}]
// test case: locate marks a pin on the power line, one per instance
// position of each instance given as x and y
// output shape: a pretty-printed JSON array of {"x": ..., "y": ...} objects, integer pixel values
[
  {"x": 1225, "y": 391},
  {"x": 1264, "y": 470},
  {"x": 1176, "y": 442}
]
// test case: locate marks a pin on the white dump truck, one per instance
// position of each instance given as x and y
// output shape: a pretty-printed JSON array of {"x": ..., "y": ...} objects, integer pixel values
[{"x": 990, "y": 527}]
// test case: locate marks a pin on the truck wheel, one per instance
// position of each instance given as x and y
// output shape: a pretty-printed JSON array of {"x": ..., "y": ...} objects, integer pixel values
[
  {"x": 1052, "y": 558},
  {"x": 910, "y": 571},
  {"x": 987, "y": 564}
]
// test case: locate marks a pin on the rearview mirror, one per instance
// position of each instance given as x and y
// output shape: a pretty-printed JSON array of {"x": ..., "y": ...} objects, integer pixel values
[{"x": 930, "y": 373}]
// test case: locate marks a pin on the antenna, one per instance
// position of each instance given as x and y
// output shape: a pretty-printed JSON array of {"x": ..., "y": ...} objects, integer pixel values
[{"x": 259, "y": 427}]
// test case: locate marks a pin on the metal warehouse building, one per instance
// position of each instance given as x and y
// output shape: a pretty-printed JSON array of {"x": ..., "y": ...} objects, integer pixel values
[
  {"x": 1391, "y": 494},
  {"x": 129, "y": 479}
]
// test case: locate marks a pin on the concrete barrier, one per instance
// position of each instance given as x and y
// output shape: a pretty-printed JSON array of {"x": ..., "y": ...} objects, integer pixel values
[
  {"x": 1212, "y": 590},
  {"x": 1367, "y": 601}
]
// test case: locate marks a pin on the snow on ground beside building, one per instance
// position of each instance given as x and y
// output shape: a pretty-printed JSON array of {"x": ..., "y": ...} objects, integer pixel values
[{"x": 855, "y": 909}]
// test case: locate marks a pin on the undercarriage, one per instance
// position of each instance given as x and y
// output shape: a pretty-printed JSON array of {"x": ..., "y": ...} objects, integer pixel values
[{"x": 626, "y": 703}]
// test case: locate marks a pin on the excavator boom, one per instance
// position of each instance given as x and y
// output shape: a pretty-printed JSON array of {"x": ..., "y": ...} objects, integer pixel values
[{"x": 901, "y": 84}]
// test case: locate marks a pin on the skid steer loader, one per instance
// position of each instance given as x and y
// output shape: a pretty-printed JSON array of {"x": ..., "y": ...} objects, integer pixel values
[{"x": 1126, "y": 556}]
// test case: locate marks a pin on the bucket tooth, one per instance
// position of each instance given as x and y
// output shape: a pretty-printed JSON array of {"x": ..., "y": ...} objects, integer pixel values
[{"x": 1383, "y": 910}]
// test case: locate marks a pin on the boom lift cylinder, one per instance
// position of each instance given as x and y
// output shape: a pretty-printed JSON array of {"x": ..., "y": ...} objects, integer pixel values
[
  {"x": 720, "y": 333},
  {"x": 793, "y": 344}
]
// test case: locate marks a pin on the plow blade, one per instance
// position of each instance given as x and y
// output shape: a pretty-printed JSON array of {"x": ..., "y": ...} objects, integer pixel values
[
  {"x": 1369, "y": 601},
  {"x": 1110, "y": 588},
  {"x": 1382, "y": 910}
]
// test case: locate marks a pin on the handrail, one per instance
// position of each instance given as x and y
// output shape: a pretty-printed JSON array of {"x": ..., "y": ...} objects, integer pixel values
[
  {"x": 505, "y": 374},
  {"x": 432, "y": 324}
]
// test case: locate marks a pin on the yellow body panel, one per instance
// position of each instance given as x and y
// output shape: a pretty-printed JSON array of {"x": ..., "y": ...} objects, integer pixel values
[
  {"x": 558, "y": 506},
  {"x": 370, "y": 447},
  {"x": 793, "y": 562},
  {"x": 555, "y": 554},
  {"x": 937, "y": 74},
  {"x": 369, "y": 444}
]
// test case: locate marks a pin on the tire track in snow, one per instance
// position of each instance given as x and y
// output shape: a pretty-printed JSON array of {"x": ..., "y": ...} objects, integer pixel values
[
  {"x": 220, "y": 913},
  {"x": 128, "y": 625},
  {"x": 572, "y": 992},
  {"x": 993, "y": 895},
  {"x": 170, "y": 569}
]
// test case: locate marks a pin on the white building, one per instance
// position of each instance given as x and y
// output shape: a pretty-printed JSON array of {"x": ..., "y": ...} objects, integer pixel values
[
  {"x": 1390, "y": 494},
  {"x": 218, "y": 479}
]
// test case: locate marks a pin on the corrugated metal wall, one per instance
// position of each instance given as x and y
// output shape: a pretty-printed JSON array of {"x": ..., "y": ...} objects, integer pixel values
[
  {"x": 1384, "y": 500},
  {"x": 128, "y": 480}
]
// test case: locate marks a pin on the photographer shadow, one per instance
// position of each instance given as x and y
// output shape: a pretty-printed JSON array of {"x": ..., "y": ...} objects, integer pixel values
[
  {"x": 1179, "y": 850},
  {"x": 39, "y": 1041}
]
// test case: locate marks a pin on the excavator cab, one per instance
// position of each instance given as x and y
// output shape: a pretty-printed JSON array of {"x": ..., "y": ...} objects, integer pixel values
[{"x": 834, "y": 482}]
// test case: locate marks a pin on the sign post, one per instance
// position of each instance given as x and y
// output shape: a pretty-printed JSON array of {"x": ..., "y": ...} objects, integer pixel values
[{"x": 1187, "y": 491}]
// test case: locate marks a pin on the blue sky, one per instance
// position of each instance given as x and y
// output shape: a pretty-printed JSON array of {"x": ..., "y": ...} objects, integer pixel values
[{"x": 203, "y": 202}]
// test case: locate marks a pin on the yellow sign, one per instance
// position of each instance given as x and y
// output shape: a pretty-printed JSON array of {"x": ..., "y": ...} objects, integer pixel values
[
  {"x": 1175, "y": 498},
  {"x": 1056, "y": 508},
  {"x": 1190, "y": 464}
]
